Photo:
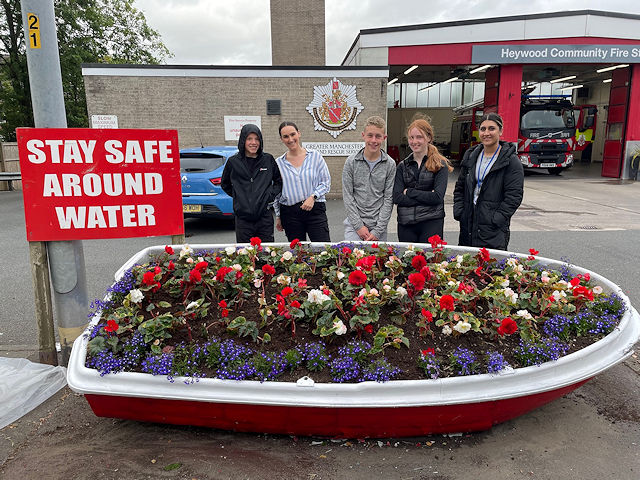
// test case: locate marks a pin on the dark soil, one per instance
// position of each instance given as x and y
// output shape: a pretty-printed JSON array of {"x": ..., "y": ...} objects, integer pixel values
[{"x": 406, "y": 359}]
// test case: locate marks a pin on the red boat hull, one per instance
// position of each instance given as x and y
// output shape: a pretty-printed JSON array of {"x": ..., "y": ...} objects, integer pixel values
[{"x": 375, "y": 422}]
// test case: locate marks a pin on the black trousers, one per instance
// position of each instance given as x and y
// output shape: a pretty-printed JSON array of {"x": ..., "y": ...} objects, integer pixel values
[
  {"x": 261, "y": 227},
  {"x": 298, "y": 223},
  {"x": 420, "y": 232}
]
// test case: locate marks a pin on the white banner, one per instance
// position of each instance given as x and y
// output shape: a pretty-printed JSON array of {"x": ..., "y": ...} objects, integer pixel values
[
  {"x": 234, "y": 123},
  {"x": 104, "y": 121},
  {"x": 334, "y": 149}
]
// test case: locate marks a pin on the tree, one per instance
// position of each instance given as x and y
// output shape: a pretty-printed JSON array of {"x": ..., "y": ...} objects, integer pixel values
[{"x": 89, "y": 31}]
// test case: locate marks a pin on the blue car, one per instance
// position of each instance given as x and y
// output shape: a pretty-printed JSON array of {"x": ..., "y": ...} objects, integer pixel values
[{"x": 200, "y": 175}]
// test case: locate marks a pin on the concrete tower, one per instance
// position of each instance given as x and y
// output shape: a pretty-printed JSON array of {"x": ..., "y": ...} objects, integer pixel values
[{"x": 297, "y": 32}]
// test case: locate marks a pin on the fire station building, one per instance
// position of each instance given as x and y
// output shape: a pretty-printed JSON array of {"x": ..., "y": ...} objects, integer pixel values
[{"x": 567, "y": 85}]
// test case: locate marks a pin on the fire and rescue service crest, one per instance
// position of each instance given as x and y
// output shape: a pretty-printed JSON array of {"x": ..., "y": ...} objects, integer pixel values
[{"x": 334, "y": 107}]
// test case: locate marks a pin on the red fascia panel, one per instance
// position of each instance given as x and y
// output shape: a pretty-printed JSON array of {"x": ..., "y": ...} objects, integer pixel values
[
  {"x": 633, "y": 116},
  {"x": 460, "y": 53}
]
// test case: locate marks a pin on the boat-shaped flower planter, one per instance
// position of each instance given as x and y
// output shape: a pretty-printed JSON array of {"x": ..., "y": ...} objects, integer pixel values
[{"x": 369, "y": 409}]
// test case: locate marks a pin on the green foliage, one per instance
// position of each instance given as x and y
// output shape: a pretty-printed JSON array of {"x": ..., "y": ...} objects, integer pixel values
[
  {"x": 243, "y": 328},
  {"x": 89, "y": 31},
  {"x": 389, "y": 335}
]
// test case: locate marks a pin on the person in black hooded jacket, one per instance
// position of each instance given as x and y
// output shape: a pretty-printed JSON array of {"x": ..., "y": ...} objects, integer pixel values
[
  {"x": 489, "y": 189},
  {"x": 252, "y": 178}
]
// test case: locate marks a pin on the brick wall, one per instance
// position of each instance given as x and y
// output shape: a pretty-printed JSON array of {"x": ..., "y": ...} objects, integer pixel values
[
  {"x": 297, "y": 32},
  {"x": 196, "y": 106}
]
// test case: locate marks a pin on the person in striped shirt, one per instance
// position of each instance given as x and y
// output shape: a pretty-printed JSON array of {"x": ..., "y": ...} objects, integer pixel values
[{"x": 301, "y": 209}]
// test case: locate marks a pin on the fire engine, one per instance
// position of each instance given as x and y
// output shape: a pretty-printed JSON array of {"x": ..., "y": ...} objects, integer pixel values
[{"x": 548, "y": 135}]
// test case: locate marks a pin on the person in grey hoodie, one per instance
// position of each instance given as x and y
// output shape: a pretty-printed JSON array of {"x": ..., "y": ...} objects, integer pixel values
[{"x": 367, "y": 186}]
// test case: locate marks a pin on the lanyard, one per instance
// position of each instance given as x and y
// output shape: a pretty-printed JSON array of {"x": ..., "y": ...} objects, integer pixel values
[{"x": 480, "y": 178}]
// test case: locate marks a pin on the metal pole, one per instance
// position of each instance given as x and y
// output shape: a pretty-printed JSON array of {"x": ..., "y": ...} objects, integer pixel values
[{"x": 66, "y": 259}]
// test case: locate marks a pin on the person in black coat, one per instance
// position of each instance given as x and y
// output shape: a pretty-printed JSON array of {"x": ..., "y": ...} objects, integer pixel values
[
  {"x": 420, "y": 185},
  {"x": 489, "y": 189},
  {"x": 253, "y": 179}
]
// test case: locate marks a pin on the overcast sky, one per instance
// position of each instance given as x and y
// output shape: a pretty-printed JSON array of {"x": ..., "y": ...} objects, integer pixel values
[{"x": 237, "y": 32}]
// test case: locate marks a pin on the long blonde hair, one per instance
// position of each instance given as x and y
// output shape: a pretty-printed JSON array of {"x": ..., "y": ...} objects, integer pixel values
[{"x": 435, "y": 160}]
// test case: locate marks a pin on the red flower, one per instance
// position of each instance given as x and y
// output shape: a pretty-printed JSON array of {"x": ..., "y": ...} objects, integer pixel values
[
  {"x": 195, "y": 276},
  {"x": 426, "y": 273},
  {"x": 218, "y": 259},
  {"x": 286, "y": 291},
  {"x": 368, "y": 328},
  {"x": 222, "y": 272},
  {"x": 366, "y": 263},
  {"x": 374, "y": 245},
  {"x": 357, "y": 277},
  {"x": 222, "y": 304},
  {"x": 575, "y": 281},
  {"x": 436, "y": 241},
  {"x": 418, "y": 262},
  {"x": 255, "y": 241},
  {"x": 427, "y": 315},
  {"x": 239, "y": 275},
  {"x": 168, "y": 249},
  {"x": 507, "y": 327},
  {"x": 295, "y": 304},
  {"x": 268, "y": 269},
  {"x": 157, "y": 270},
  {"x": 428, "y": 351},
  {"x": 417, "y": 280},
  {"x": 201, "y": 266},
  {"x": 484, "y": 254},
  {"x": 224, "y": 313},
  {"x": 446, "y": 303},
  {"x": 346, "y": 250},
  {"x": 583, "y": 292},
  {"x": 533, "y": 251},
  {"x": 326, "y": 291},
  {"x": 149, "y": 278},
  {"x": 171, "y": 266},
  {"x": 302, "y": 283},
  {"x": 478, "y": 271},
  {"x": 586, "y": 277},
  {"x": 111, "y": 327},
  {"x": 294, "y": 242}
]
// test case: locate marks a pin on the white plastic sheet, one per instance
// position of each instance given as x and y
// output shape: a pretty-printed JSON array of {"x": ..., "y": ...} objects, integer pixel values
[{"x": 24, "y": 385}]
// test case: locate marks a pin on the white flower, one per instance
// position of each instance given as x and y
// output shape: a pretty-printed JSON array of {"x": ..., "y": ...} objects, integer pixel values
[
  {"x": 242, "y": 251},
  {"x": 257, "y": 282},
  {"x": 362, "y": 292},
  {"x": 237, "y": 267},
  {"x": 190, "y": 260},
  {"x": 566, "y": 285},
  {"x": 287, "y": 256},
  {"x": 374, "y": 292},
  {"x": 524, "y": 314},
  {"x": 557, "y": 295},
  {"x": 192, "y": 305},
  {"x": 545, "y": 277},
  {"x": 385, "y": 281},
  {"x": 401, "y": 291},
  {"x": 386, "y": 287},
  {"x": 597, "y": 290},
  {"x": 230, "y": 250},
  {"x": 451, "y": 283},
  {"x": 340, "y": 327},
  {"x": 505, "y": 283},
  {"x": 273, "y": 253},
  {"x": 511, "y": 295},
  {"x": 267, "y": 249},
  {"x": 446, "y": 330},
  {"x": 324, "y": 253},
  {"x": 512, "y": 262},
  {"x": 262, "y": 301},
  {"x": 136, "y": 295},
  {"x": 462, "y": 327},
  {"x": 269, "y": 313},
  {"x": 283, "y": 279},
  {"x": 186, "y": 250},
  {"x": 459, "y": 259},
  {"x": 340, "y": 275},
  {"x": 316, "y": 296},
  {"x": 358, "y": 252}
]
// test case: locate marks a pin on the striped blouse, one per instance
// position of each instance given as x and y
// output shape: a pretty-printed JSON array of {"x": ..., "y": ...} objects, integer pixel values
[{"x": 298, "y": 184}]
